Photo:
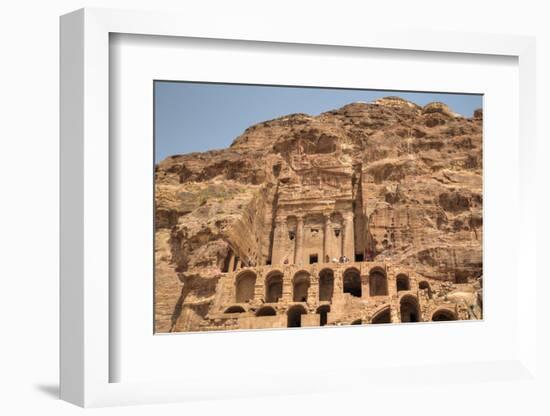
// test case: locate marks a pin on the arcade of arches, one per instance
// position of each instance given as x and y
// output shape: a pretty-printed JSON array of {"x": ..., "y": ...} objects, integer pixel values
[
  {"x": 319, "y": 294},
  {"x": 317, "y": 270}
]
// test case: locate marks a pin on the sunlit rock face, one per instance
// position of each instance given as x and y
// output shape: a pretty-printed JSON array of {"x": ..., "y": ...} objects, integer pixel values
[{"x": 391, "y": 187}]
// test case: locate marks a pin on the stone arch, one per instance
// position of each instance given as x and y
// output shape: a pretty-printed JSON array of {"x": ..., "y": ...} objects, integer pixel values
[
  {"x": 378, "y": 282},
  {"x": 424, "y": 285},
  {"x": 323, "y": 311},
  {"x": 274, "y": 287},
  {"x": 326, "y": 285},
  {"x": 300, "y": 286},
  {"x": 235, "y": 309},
  {"x": 444, "y": 314},
  {"x": 382, "y": 316},
  {"x": 357, "y": 322},
  {"x": 352, "y": 282},
  {"x": 244, "y": 286},
  {"x": 402, "y": 282},
  {"x": 266, "y": 311},
  {"x": 294, "y": 316},
  {"x": 409, "y": 309}
]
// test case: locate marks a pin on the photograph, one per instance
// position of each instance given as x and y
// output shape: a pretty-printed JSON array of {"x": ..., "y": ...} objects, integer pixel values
[{"x": 299, "y": 206}]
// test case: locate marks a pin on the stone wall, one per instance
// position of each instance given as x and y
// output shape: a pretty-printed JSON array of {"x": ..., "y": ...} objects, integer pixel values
[
  {"x": 414, "y": 299},
  {"x": 387, "y": 183}
]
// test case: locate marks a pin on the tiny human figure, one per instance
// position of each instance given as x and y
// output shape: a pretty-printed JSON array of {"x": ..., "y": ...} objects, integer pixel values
[
  {"x": 285, "y": 261},
  {"x": 334, "y": 260},
  {"x": 341, "y": 260},
  {"x": 327, "y": 258}
]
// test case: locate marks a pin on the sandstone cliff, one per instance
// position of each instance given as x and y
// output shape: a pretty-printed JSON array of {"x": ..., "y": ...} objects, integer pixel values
[{"x": 415, "y": 176}]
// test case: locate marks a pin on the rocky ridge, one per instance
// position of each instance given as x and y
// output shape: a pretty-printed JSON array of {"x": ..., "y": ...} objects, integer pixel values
[{"x": 422, "y": 202}]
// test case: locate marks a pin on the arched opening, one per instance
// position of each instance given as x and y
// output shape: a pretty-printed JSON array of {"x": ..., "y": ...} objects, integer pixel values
[
  {"x": 409, "y": 309},
  {"x": 234, "y": 309},
  {"x": 323, "y": 312},
  {"x": 443, "y": 315},
  {"x": 266, "y": 311},
  {"x": 294, "y": 316},
  {"x": 326, "y": 285},
  {"x": 402, "y": 282},
  {"x": 300, "y": 287},
  {"x": 378, "y": 284},
  {"x": 274, "y": 287},
  {"x": 244, "y": 287},
  {"x": 357, "y": 322},
  {"x": 352, "y": 282},
  {"x": 382, "y": 317},
  {"x": 425, "y": 286}
]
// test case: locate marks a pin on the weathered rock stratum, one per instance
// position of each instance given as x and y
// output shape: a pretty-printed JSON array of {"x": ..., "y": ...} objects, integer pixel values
[{"x": 408, "y": 178}]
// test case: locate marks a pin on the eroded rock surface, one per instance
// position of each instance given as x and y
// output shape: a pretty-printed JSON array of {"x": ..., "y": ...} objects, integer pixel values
[{"x": 408, "y": 178}]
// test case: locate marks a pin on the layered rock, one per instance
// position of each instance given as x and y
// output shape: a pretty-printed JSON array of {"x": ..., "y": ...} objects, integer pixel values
[{"x": 410, "y": 177}]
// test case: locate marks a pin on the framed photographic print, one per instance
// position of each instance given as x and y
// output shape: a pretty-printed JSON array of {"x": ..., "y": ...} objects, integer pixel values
[
  {"x": 336, "y": 207},
  {"x": 240, "y": 212}
]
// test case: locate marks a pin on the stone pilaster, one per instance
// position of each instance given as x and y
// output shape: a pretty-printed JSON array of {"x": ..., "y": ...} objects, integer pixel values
[
  {"x": 338, "y": 288},
  {"x": 259, "y": 288},
  {"x": 279, "y": 235},
  {"x": 287, "y": 286},
  {"x": 393, "y": 295},
  {"x": 298, "y": 256},
  {"x": 326, "y": 241},
  {"x": 365, "y": 288},
  {"x": 313, "y": 290},
  {"x": 348, "y": 246}
]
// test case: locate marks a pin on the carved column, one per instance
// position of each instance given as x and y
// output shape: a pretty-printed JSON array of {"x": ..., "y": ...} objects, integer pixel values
[
  {"x": 279, "y": 237},
  {"x": 259, "y": 289},
  {"x": 393, "y": 295},
  {"x": 338, "y": 288},
  {"x": 299, "y": 240},
  {"x": 348, "y": 247},
  {"x": 326, "y": 236},
  {"x": 287, "y": 286},
  {"x": 313, "y": 290}
]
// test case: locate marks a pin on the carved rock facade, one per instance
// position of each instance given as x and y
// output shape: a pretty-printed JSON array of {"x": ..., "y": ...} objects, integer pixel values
[{"x": 366, "y": 214}]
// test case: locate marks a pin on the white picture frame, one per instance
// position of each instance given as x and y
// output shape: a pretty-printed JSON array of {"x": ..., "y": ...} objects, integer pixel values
[{"x": 86, "y": 356}]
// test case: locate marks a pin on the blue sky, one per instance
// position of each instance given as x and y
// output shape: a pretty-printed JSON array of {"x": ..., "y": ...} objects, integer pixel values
[{"x": 195, "y": 117}]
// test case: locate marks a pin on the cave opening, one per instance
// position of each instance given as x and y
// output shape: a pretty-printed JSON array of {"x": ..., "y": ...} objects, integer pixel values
[
  {"x": 409, "y": 309},
  {"x": 402, "y": 283},
  {"x": 383, "y": 317},
  {"x": 294, "y": 316},
  {"x": 443, "y": 315},
  {"x": 244, "y": 287},
  {"x": 301, "y": 285},
  {"x": 323, "y": 314},
  {"x": 352, "y": 282},
  {"x": 378, "y": 284},
  {"x": 274, "y": 288},
  {"x": 326, "y": 285}
]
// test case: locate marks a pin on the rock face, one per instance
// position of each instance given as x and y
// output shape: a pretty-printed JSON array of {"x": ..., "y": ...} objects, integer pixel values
[{"x": 387, "y": 191}]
